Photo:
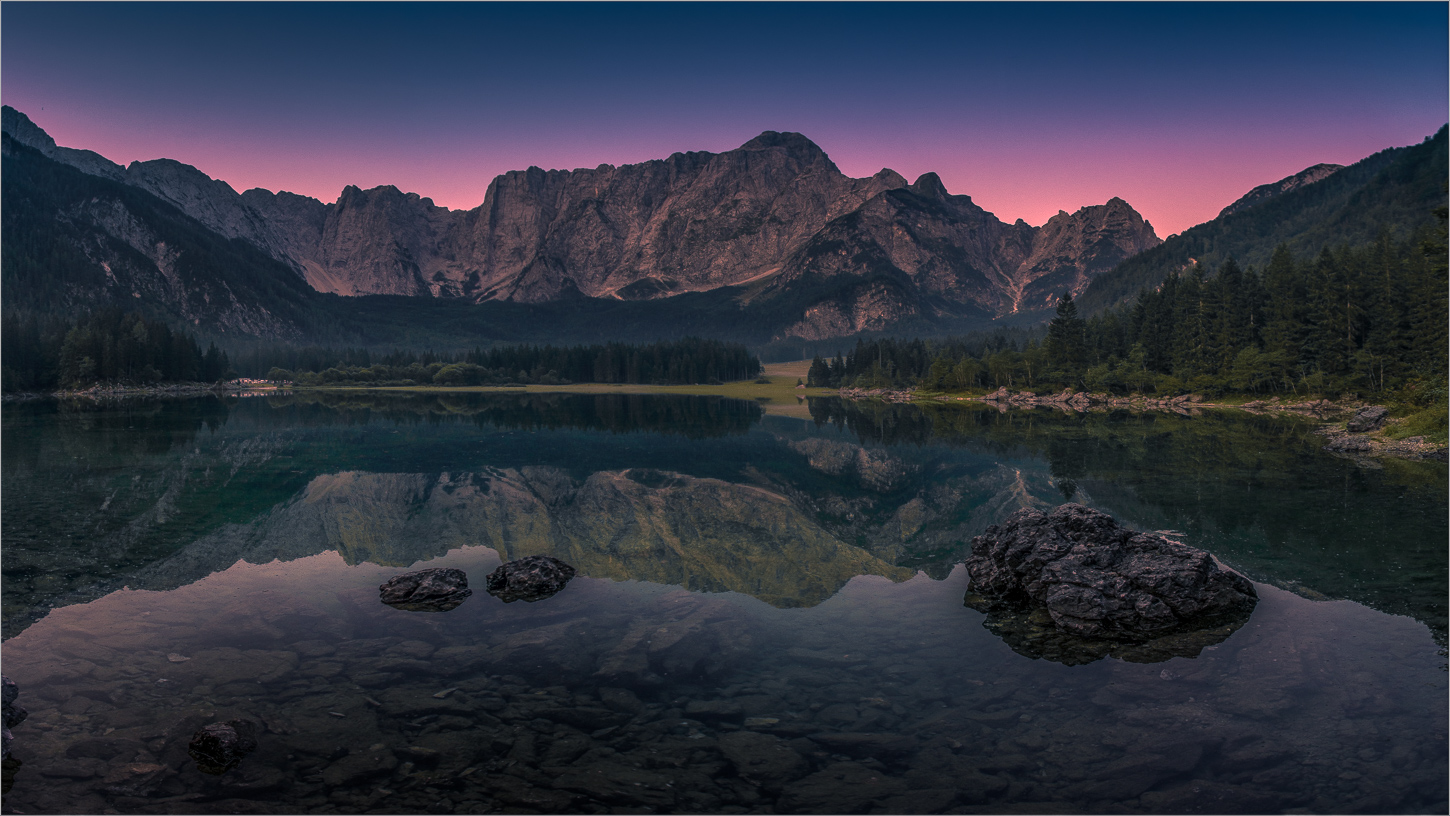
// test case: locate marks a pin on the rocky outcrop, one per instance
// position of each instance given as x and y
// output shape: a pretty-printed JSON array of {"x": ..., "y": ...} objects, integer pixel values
[
  {"x": 221, "y": 746},
  {"x": 1264, "y": 192},
  {"x": 1369, "y": 418},
  {"x": 429, "y": 590},
  {"x": 531, "y": 578},
  {"x": 1098, "y": 579}
]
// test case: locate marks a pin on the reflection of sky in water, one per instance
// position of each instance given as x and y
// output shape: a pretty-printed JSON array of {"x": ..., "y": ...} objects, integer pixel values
[{"x": 748, "y": 606}]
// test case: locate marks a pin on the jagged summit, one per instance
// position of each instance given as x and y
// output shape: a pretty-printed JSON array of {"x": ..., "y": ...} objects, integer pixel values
[
  {"x": 775, "y": 211},
  {"x": 930, "y": 185}
]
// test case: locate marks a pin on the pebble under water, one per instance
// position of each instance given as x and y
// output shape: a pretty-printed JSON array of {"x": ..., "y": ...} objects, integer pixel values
[{"x": 624, "y": 695}]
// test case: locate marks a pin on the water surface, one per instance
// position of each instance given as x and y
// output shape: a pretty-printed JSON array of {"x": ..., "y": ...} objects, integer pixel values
[{"x": 768, "y": 615}]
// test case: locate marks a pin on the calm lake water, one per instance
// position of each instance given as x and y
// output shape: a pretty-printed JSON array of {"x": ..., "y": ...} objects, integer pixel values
[{"x": 768, "y": 615}]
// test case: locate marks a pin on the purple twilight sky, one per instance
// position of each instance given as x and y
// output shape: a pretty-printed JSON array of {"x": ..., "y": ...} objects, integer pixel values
[{"x": 1178, "y": 108}]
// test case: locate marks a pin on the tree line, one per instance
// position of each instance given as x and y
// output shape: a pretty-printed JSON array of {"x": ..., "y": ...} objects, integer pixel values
[
  {"x": 692, "y": 360},
  {"x": 1370, "y": 318},
  {"x": 42, "y": 353}
]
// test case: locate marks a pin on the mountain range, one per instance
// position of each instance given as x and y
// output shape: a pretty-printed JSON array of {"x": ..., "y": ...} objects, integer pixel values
[{"x": 765, "y": 242}]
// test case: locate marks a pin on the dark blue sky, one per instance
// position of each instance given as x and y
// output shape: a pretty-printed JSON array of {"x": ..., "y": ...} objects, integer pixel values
[{"x": 1178, "y": 107}]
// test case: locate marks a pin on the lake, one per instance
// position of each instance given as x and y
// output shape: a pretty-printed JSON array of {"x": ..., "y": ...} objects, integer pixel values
[{"x": 768, "y": 614}]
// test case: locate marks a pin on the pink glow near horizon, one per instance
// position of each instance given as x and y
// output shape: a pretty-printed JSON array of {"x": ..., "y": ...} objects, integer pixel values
[{"x": 1030, "y": 178}]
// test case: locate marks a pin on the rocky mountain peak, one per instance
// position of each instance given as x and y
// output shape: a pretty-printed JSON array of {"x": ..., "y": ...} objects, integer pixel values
[
  {"x": 888, "y": 179},
  {"x": 19, "y": 127},
  {"x": 790, "y": 141},
  {"x": 930, "y": 185}
]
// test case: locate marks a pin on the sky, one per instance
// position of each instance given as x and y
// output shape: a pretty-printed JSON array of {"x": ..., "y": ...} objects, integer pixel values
[{"x": 1029, "y": 108}]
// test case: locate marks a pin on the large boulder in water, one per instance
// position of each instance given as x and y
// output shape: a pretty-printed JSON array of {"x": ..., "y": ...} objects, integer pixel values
[
  {"x": 531, "y": 578},
  {"x": 1098, "y": 579},
  {"x": 431, "y": 590}
]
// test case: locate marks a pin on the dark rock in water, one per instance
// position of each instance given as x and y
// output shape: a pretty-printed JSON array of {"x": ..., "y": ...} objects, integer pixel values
[
  {"x": 763, "y": 759},
  {"x": 1031, "y": 633},
  {"x": 11, "y": 714},
  {"x": 1097, "y": 579},
  {"x": 220, "y": 747},
  {"x": 532, "y": 578},
  {"x": 1368, "y": 419},
  {"x": 431, "y": 590},
  {"x": 8, "y": 767}
]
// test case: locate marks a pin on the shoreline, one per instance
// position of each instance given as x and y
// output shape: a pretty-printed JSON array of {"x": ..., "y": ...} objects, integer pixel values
[
  {"x": 1334, "y": 416},
  {"x": 110, "y": 392}
]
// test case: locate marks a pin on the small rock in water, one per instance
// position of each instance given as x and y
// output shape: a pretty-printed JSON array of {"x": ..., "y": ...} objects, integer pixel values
[
  {"x": 220, "y": 747},
  {"x": 532, "y": 578},
  {"x": 177, "y": 658},
  {"x": 431, "y": 590}
]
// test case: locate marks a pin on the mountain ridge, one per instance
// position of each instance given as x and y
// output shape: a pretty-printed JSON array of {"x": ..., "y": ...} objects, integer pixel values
[{"x": 691, "y": 222}]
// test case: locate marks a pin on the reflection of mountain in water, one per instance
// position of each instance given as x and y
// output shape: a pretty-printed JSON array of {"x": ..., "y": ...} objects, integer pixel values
[
  {"x": 96, "y": 491},
  {"x": 1257, "y": 491},
  {"x": 668, "y": 528},
  {"x": 778, "y": 509}
]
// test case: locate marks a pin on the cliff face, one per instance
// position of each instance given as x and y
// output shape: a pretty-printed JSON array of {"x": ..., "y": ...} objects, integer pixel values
[
  {"x": 691, "y": 222},
  {"x": 775, "y": 217},
  {"x": 921, "y": 251}
]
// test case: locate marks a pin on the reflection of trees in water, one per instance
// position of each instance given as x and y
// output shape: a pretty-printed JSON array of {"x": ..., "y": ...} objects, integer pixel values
[
  {"x": 128, "y": 427},
  {"x": 1256, "y": 490},
  {"x": 694, "y": 417}
]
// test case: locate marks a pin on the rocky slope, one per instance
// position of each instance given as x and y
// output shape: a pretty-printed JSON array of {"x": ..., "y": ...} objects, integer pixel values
[
  {"x": 76, "y": 241},
  {"x": 1264, "y": 192},
  {"x": 776, "y": 217},
  {"x": 922, "y": 251}
]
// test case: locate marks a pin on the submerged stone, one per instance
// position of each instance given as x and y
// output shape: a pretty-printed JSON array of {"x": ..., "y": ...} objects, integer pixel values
[
  {"x": 11, "y": 714},
  {"x": 531, "y": 578},
  {"x": 1074, "y": 586},
  {"x": 431, "y": 590},
  {"x": 220, "y": 747}
]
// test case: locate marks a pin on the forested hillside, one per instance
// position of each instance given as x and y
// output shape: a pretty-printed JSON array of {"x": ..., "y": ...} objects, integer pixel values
[
  {"x": 1366, "y": 319},
  {"x": 1394, "y": 190},
  {"x": 41, "y": 354}
]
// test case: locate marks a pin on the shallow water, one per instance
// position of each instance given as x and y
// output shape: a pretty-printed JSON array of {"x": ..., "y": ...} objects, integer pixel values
[{"x": 767, "y": 618}]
